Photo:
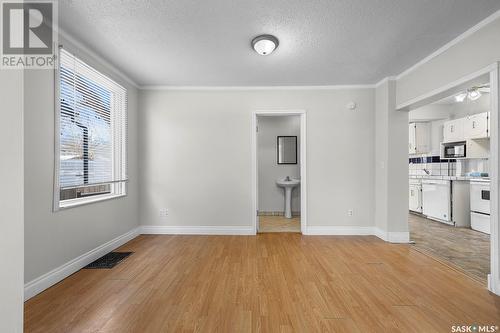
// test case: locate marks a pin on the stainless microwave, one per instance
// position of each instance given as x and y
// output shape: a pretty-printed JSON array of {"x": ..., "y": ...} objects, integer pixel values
[{"x": 454, "y": 150}]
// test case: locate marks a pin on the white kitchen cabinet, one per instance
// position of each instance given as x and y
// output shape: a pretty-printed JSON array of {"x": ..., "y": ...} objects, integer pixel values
[
  {"x": 418, "y": 138},
  {"x": 415, "y": 196},
  {"x": 476, "y": 126},
  {"x": 453, "y": 130}
]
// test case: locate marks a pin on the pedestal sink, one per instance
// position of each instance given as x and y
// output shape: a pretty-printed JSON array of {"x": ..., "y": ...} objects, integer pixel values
[{"x": 288, "y": 184}]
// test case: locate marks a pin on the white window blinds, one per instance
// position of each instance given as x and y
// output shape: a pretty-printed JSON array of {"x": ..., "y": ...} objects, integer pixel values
[{"x": 92, "y": 132}]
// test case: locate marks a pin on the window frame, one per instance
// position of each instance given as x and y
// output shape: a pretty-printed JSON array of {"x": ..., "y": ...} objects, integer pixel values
[{"x": 119, "y": 188}]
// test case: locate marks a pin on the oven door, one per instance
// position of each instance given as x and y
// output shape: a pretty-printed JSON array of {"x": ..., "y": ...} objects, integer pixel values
[{"x": 480, "y": 197}]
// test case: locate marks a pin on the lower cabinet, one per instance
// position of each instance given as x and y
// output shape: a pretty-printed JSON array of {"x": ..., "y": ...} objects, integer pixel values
[{"x": 415, "y": 196}]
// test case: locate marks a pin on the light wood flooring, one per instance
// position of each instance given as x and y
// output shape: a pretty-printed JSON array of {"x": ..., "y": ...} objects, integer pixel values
[
  {"x": 279, "y": 224},
  {"x": 273, "y": 282},
  {"x": 466, "y": 249}
]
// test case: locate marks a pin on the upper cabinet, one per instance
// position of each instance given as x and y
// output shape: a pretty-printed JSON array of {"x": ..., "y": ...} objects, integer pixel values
[
  {"x": 471, "y": 127},
  {"x": 477, "y": 126},
  {"x": 418, "y": 138},
  {"x": 453, "y": 130}
]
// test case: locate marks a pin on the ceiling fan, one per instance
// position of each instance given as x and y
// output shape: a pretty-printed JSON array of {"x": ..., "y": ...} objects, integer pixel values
[{"x": 473, "y": 93}]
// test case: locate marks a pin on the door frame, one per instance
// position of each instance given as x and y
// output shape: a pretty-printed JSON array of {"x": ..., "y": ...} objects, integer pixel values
[
  {"x": 303, "y": 160},
  {"x": 491, "y": 72}
]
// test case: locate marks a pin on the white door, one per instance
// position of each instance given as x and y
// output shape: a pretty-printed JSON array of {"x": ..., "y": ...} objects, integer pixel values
[{"x": 476, "y": 126}]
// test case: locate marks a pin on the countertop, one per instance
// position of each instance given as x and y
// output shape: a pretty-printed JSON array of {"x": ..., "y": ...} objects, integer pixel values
[{"x": 460, "y": 178}]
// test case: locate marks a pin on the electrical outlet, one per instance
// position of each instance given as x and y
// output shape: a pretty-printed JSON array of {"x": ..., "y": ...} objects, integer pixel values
[
  {"x": 350, "y": 212},
  {"x": 163, "y": 212}
]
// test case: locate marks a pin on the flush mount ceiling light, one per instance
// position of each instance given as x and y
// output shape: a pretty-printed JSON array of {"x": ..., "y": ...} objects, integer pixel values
[
  {"x": 472, "y": 93},
  {"x": 265, "y": 44}
]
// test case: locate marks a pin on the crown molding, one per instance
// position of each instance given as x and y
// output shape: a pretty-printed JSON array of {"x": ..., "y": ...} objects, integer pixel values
[
  {"x": 493, "y": 17},
  {"x": 114, "y": 70},
  {"x": 428, "y": 58},
  {"x": 251, "y": 88}
]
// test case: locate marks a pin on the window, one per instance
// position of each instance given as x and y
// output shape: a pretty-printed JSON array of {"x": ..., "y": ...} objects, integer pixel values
[{"x": 92, "y": 135}]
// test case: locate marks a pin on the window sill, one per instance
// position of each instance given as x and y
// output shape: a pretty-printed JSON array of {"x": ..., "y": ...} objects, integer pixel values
[{"x": 85, "y": 201}]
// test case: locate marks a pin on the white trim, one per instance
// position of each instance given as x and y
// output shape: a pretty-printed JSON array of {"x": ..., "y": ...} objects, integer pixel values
[
  {"x": 339, "y": 230},
  {"x": 71, "y": 203},
  {"x": 384, "y": 80},
  {"x": 392, "y": 237},
  {"x": 47, "y": 280},
  {"x": 494, "y": 278},
  {"x": 452, "y": 43},
  {"x": 112, "y": 68},
  {"x": 251, "y": 88},
  {"x": 57, "y": 137},
  {"x": 196, "y": 230},
  {"x": 303, "y": 163},
  {"x": 444, "y": 90}
]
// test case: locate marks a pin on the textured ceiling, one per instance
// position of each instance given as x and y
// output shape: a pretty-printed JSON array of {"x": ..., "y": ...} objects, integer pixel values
[{"x": 322, "y": 42}]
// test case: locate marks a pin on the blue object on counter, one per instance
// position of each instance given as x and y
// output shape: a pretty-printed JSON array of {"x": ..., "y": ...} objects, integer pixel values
[{"x": 477, "y": 174}]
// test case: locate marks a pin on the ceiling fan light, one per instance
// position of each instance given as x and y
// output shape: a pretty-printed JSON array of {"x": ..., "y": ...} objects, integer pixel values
[
  {"x": 474, "y": 94},
  {"x": 460, "y": 97}
]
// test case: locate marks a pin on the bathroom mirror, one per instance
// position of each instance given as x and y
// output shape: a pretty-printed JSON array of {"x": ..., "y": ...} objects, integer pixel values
[{"x": 287, "y": 150}]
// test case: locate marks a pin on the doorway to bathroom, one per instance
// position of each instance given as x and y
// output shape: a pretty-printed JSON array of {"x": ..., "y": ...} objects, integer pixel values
[{"x": 278, "y": 154}]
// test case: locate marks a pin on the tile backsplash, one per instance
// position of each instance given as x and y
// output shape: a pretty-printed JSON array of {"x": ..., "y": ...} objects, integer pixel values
[{"x": 438, "y": 167}]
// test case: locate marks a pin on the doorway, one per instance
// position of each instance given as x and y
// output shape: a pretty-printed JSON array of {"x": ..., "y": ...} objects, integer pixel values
[
  {"x": 456, "y": 174},
  {"x": 449, "y": 184},
  {"x": 278, "y": 168}
]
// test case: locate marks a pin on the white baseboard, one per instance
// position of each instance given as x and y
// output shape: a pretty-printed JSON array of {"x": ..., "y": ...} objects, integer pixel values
[
  {"x": 196, "y": 230},
  {"x": 47, "y": 280},
  {"x": 392, "y": 237},
  {"x": 339, "y": 230}
]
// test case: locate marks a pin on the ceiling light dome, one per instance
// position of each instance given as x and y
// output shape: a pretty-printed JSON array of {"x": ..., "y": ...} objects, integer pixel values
[{"x": 265, "y": 44}]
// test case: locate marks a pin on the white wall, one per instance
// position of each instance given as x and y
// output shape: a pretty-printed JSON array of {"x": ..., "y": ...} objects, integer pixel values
[
  {"x": 11, "y": 200},
  {"x": 196, "y": 155},
  {"x": 473, "y": 53},
  {"x": 271, "y": 197},
  {"x": 430, "y": 112},
  {"x": 391, "y": 165},
  {"x": 53, "y": 239},
  {"x": 381, "y": 156}
]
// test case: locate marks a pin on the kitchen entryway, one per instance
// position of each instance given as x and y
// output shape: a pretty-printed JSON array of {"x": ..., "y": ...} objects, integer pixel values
[{"x": 449, "y": 179}]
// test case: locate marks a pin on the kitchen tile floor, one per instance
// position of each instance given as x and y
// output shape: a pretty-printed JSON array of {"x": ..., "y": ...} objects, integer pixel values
[
  {"x": 279, "y": 224},
  {"x": 465, "y": 249}
]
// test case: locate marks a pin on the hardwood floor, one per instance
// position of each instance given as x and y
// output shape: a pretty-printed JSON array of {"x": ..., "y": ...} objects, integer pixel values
[
  {"x": 279, "y": 224},
  {"x": 274, "y": 282},
  {"x": 466, "y": 249}
]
